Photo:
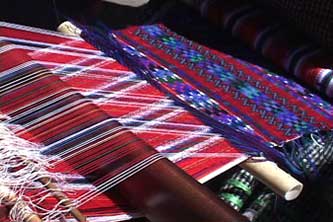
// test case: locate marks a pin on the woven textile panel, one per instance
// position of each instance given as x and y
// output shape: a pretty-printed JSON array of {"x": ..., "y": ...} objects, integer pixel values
[
  {"x": 219, "y": 86},
  {"x": 112, "y": 90},
  {"x": 272, "y": 38}
]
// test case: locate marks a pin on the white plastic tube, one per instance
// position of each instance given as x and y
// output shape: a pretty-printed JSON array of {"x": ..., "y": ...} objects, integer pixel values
[{"x": 275, "y": 178}]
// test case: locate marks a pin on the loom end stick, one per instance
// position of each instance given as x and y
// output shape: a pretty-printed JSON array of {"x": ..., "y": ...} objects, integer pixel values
[
  {"x": 33, "y": 218},
  {"x": 62, "y": 197},
  {"x": 275, "y": 178},
  {"x": 68, "y": 28}
]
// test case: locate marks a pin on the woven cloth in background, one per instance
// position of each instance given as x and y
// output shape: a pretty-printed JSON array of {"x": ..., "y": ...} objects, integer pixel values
[
  {"x": 265, "y": 33},
  {"x": 315, "y": 17},
  {"x": 242, "y": 101},
  {"x": 218, "y": 85}
]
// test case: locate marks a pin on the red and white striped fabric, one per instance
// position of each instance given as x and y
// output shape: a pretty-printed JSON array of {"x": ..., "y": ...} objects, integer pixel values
[{"x": 108, "y": 90}]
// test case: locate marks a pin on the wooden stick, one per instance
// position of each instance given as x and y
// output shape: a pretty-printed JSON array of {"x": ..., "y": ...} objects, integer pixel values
[
  {"x": 275, "y": 178},
  {"x": 63, "y": 198},
  {"x": 33, "y": 218},
  {"x": 68, "y": 28}
]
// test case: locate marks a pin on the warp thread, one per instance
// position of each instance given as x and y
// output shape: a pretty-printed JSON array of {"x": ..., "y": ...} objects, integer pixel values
[{"x": 21, "y": 168}]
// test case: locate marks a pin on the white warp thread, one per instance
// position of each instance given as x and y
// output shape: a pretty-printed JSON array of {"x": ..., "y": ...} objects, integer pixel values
[{"x": 21, "y": 168}]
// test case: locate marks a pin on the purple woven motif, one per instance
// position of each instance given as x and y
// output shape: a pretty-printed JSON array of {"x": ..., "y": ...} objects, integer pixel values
[
  {"x": 229, "y": 126},
  {"x": 290, "y": 118},
  {"x": 223, "y": 74}
]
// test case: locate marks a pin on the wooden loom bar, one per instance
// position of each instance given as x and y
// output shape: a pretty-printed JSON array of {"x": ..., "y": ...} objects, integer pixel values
[
  {"x": 47, "y": 182},
  {"x": 68, "y": 28}
]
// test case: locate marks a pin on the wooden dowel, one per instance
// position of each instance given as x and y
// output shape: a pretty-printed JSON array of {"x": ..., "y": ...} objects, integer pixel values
[
  {"x": 47, "y": 182},
  {"x": 33, "y": 218},
  {"x": 65, "y": 201},
  {"x": 68, "y": 28}
]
